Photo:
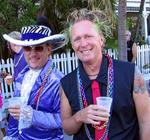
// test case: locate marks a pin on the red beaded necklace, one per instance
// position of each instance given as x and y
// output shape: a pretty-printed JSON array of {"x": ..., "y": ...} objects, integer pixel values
[{"x": 82, "y": 98}]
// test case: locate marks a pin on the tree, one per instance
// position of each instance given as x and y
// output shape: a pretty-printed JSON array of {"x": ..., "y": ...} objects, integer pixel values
[
  {"x": 13, "y": 15},
  {"x": 139, "y": 22},
  {"x": 122, "y": 48}
]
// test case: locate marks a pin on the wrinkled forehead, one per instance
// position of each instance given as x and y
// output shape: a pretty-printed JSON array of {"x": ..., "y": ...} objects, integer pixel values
[
  {"x": 83, "y": 23},
  {"x": 83, "y": 26}
]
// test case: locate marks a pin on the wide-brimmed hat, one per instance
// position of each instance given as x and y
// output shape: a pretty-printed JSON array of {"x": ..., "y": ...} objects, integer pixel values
[{"x": 38, "y": 34}]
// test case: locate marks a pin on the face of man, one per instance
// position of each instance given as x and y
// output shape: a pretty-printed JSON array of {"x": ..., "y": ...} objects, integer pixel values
[
  {"x": 86, "y": 41},
  {"x": 37, "y": 56}
]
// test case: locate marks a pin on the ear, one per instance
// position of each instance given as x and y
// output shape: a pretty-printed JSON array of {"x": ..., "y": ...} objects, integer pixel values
[
  {"x": 49, "y": 49},
  {"x": 103, "y": 41}
]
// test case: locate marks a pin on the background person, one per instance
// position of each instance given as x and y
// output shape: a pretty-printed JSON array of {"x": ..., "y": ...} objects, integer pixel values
[
  {"x": 19, "y": 61},
  {"x": 16, "y": 53},
  {"x": 131, "y": 48},
  {"x": 39, "y": 85},
  {"x": 99, "y": 75}
]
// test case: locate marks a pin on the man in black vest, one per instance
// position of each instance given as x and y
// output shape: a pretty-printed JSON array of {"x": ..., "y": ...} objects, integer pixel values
[{"x": 129, "y": 117}]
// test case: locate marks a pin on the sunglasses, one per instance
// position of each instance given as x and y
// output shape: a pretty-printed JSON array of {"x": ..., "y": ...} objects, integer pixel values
[{"x": 37, "y": 48}]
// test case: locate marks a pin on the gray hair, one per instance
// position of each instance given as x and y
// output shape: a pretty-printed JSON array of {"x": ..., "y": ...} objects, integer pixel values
[
  {"x": 128, "y": 32},
  {"x": 98, "y": 17},
  {"x": 15, "y": 35}
]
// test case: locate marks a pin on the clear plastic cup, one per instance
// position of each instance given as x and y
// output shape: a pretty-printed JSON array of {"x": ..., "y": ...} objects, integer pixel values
[
  {"x": 15, "y": 101},
  {"x": 105, "y": 102}
]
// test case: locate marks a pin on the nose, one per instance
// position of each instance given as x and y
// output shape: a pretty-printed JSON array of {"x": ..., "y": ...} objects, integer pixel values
[{"x": 83, "y": 42}]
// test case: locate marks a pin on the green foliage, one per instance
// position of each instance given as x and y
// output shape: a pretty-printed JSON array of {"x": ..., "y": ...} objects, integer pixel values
[
  {"x": 111, "y": 43},
  {"x": 130, "y": 23},
  {"x": 14, "y": 14},
  {"x": 55, "y": 10},
  {"x": 17, "y": 13}
]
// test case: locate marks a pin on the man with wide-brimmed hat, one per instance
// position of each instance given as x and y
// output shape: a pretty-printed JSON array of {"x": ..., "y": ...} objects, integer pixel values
[{"x": 38, "y": 85}]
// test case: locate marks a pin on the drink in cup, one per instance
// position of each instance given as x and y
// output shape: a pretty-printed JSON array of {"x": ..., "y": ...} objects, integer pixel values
[{"x": 105, "y": 102}]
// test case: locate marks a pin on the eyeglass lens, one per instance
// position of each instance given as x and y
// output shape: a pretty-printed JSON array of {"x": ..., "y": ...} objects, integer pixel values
[{"x": 37, "y": 48}]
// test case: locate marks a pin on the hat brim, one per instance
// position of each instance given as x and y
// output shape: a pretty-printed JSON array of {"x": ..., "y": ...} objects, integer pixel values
[{"x": 58, "y": 41}]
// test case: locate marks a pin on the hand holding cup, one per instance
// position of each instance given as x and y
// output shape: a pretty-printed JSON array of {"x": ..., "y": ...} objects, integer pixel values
[{"x": 14, "y": 105}]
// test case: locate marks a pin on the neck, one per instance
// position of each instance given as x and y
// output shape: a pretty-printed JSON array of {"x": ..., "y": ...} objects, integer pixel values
[
  {"x": 92, "y": 69},
  {"x": 93, "y": 74},
  {"x": 35, "y": 70},
  {"x": 92, "y": 77}
]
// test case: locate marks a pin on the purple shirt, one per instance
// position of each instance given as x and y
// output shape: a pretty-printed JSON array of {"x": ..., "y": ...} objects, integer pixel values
[
  {"x": 19, "y": 63},
  {"x": 46, "y": 121}
]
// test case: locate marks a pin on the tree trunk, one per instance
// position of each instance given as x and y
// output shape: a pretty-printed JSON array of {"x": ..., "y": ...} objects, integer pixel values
[
  {"x": 139, "y": 23},
  {"x": 122, "y": 48}
]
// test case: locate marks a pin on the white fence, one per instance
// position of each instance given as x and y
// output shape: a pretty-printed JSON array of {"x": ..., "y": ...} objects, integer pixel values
[{"x": 67, "y": 62}]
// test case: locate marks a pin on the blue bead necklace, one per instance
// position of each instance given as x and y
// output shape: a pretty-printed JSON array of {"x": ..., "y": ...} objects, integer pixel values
[{"x": 83, "y": 101}]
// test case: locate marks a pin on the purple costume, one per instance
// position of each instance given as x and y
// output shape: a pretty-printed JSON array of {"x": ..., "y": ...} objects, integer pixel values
[
  {"x": 19, "y": 63},
  {"x": 46, "y": 120}
]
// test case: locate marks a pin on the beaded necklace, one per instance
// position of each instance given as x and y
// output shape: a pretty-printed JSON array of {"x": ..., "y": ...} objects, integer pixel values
[
  {"x": 83, "y": 100},
  {"x": 37, "y": 97}
]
